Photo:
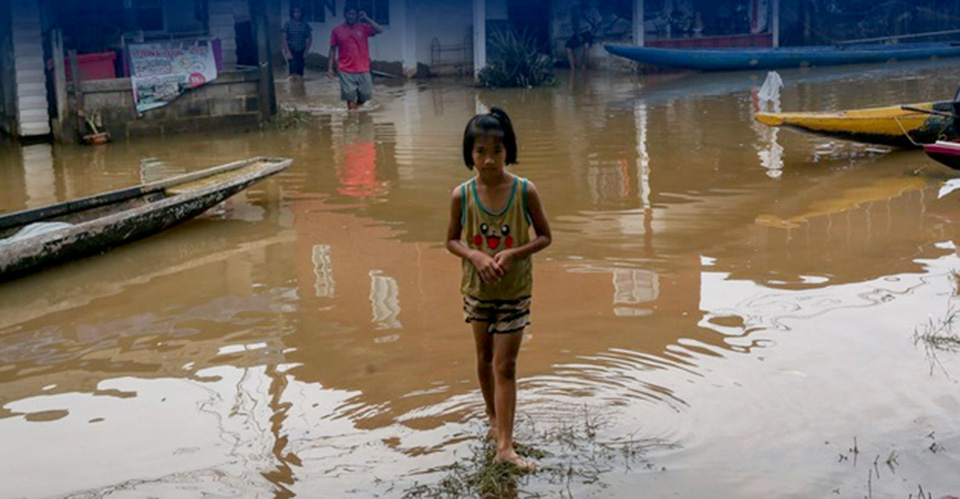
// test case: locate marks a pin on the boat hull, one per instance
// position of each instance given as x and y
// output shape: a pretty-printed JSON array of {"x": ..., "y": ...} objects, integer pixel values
[
  {"x": 889, "y": 126},
  {"x": 777, "y": 58},
  {"x": 947, "y": 153},
  {"x": 100, "y": 234}
]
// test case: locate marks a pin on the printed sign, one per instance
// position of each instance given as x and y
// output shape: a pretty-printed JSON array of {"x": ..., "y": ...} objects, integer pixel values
[{"x": 160, "y": 72}]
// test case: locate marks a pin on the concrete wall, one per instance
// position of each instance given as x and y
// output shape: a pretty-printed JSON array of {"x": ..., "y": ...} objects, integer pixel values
[
  {"x": 413, "y": 26},
  {"x": 230, "y": 102},
  {"x": 450, "y": 22}
]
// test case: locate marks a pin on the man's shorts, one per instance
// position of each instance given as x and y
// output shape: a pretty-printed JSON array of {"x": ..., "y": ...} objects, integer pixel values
[
  {"x": 356, "y": 87},
  {"x": 502, "y": 316}
]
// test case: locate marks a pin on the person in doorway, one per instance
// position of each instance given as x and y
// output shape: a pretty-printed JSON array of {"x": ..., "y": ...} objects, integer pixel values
[
  {"x": 585, "y": 20},
  {"x": 350, "y": 54},
  {"x": 297, "y": 38},
  {"x": 490, "y": 220}
]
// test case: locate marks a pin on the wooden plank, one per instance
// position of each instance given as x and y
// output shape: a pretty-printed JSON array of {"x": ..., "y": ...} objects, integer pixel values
[{"x": 77, "y": 89}]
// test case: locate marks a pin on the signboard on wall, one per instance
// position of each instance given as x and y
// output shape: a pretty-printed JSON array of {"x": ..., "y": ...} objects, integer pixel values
[{"x": 160, "y": 72}]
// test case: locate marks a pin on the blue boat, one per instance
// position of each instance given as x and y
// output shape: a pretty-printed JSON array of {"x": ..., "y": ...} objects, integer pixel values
[{"x": 734, "y": 59}]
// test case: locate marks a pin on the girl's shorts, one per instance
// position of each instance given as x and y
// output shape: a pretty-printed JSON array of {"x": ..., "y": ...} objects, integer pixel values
[{"x": 502, "y": 316}]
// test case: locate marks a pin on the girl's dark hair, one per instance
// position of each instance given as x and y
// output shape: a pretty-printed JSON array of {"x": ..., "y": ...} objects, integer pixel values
[{"x": 497, "y": 123}]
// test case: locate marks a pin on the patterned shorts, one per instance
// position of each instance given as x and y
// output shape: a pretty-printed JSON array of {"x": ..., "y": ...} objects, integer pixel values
[{"x": 503, "y": 316}]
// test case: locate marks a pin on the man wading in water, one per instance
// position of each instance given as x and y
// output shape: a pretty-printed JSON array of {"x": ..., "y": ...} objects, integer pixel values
[{"x": 349, "y": 42}]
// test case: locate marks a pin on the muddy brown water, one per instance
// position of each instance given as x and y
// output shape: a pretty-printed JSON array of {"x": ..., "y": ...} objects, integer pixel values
[{"x": 745, "y": 298}]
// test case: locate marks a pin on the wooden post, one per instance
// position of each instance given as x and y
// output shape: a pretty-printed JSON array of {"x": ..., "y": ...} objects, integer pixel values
[
  {"x": 77, "y": 92},
  {"x": 59, "y": 85},
  {"x": 775, "y": 28},
  {"x": 268, "y": 95},
  {"x": 638, "y": 30}
]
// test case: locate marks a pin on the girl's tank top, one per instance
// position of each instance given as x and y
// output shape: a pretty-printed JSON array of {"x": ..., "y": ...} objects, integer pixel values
[{"x": 494, "y": 232}]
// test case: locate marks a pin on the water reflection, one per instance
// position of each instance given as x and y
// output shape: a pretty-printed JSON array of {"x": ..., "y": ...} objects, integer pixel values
[{"x": 306, "y": 335}]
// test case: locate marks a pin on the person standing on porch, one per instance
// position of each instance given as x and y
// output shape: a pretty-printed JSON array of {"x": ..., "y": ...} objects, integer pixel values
[
  {"x": 350, "y": 53},
  {"x": 297, "y": 38}
]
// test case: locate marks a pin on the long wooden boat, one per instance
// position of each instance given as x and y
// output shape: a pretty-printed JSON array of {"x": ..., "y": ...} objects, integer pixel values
[
  {"x": 734, "y": 59},
  {"x": 945, "y": 152},
  {"x": 890, "y": 126},
  {"x": 34, "y": 239}
]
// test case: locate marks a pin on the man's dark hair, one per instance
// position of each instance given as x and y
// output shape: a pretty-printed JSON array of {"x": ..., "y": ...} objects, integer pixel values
[
  {"x": 495, "y": 123},
  {"x": 347, "y": 7}
]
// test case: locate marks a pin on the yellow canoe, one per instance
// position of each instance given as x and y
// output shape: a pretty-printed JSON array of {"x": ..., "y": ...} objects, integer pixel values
[{"x": 891, "y": 126}]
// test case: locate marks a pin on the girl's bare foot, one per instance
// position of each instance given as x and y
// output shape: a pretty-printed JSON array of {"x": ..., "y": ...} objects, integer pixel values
[{"x": 512, "y": 458}]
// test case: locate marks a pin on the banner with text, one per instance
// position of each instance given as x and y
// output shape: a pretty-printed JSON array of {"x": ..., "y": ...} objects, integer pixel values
[{"x": 160, "y": 72}]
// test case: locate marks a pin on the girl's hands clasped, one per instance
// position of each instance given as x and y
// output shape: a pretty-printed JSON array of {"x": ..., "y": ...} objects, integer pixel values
[
  {"x": 488, "y": 268},
  {"x": 504, "y": 259}
]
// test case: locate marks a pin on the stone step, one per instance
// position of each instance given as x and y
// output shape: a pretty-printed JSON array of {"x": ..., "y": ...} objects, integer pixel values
[
  {"x": 34, "y": 102},
  {"x": 34, "y": 129}
]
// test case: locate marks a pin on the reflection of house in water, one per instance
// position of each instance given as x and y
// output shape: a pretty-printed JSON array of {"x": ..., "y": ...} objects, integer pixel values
[
  {"x": 632, "y": 287},
  {"x": 384, "y": 301},
  {"x": 324, "y": 286}
]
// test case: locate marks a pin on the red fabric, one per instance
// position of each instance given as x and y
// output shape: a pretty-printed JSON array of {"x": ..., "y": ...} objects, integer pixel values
[{"x": 353, "y": 53}]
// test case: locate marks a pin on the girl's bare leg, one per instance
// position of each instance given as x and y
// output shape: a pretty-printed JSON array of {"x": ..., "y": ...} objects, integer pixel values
[
  {"x": 572, "y": 59},
  {"x": 586, "y": 55},
  {"x": 484, "y": 343},
  {"x": 505, "y": 349}
]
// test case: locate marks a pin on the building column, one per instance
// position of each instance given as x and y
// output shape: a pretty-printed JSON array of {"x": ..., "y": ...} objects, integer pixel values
[
  {"x": 406, "y": 21},
  {"x": 268, "y": 94},
  {"x": 638, "y": 30},
  {"x": 479, "y": 35},
  {"x": 775, "y": 27}
]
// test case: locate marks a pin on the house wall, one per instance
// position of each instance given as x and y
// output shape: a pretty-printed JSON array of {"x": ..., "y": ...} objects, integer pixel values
[
  {"x": 8, "y": 112},
  {"x": 222, "y": 25},
  {"x": 413, "y": 25},
  {"x": 451, "y": 23},
  {"x": 232, "y": 101}
]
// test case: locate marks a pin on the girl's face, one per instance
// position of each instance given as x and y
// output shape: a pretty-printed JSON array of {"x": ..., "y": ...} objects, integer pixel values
[{"x": 488, "y": 153}]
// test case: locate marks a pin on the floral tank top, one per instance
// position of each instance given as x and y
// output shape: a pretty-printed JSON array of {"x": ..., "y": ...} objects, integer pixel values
[{"x": 494, "y": 232}]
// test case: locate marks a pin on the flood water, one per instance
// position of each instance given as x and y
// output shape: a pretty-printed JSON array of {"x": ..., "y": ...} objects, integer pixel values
[{"x": 743, "y": 301}]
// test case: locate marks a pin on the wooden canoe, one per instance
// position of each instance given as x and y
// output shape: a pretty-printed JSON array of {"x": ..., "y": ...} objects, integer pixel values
[
  {"x": 733, "y": 59},
  {"x": 890, "y": 126},
  {"x": 947, "y": 153},
  {"x": 35, "y": 239}
]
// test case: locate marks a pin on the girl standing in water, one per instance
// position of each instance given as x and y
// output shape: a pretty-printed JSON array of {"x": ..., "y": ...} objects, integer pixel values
[{"x": 495, "y": 210}]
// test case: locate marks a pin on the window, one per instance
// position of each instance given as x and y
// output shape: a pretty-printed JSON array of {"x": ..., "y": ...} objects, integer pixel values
[
  {"x": 378, "y": 10},
  {"x": 314, "y": 11}
]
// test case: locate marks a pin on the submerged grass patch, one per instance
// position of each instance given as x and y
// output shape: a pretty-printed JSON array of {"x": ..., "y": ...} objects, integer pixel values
[
  {"x": 569, "y": 455},
  {"x": 938, "y": 335},
  {"x": 289, "y": 117}
]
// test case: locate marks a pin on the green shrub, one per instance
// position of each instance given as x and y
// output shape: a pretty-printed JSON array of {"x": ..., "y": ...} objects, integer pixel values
[{"x": 519, "y": 62}]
